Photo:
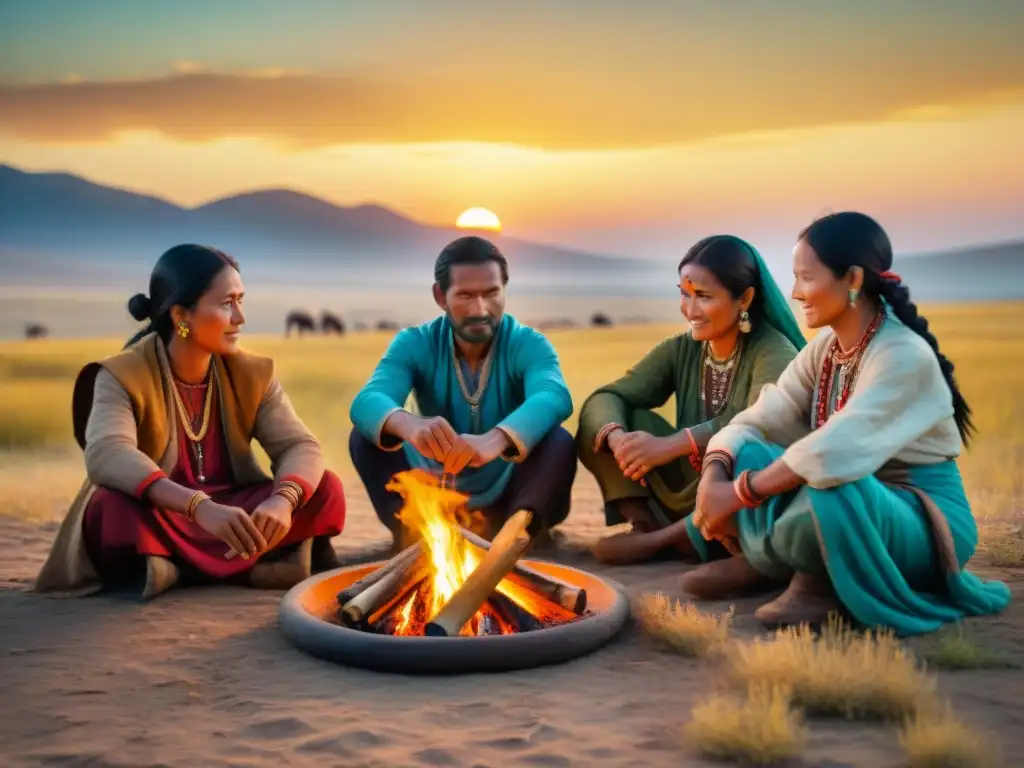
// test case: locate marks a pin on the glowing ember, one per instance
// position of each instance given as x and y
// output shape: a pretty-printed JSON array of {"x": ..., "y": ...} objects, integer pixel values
[{"x": 436, "y": 515}]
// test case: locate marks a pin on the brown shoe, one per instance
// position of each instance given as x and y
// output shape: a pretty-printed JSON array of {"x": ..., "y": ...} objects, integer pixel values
[
  {"x": 724, "y": 578},
  {"x": 809, "y": 599},
  {"x": 286, "y": 572},
  {"x": 161, "y": 575},
  {"x": 323, "y": 557}
]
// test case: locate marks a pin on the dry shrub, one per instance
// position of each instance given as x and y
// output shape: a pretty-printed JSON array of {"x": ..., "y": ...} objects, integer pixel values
[
  {"x": 954, "y": 649},
  {"x": 760, "y": 728},
  {"x": 682, "y": 627},
  {"x": 841, "y": 672},
  {"x": 939, "y": 740}
]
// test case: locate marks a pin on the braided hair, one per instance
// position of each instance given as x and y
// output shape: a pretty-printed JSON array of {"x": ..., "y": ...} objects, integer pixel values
[{"x": 850, "y": 239}]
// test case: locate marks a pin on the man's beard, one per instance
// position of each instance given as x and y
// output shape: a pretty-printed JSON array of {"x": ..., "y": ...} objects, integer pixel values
[{"x": 475, "y": 335}]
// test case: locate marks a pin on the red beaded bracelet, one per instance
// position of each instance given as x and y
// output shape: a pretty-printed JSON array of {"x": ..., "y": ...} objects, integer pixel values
[{"x": 744, "y": 492}]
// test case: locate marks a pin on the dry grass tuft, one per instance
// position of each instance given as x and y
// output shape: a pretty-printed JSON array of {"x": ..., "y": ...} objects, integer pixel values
[
  {"x": 954, "y": 649},
  {"x": 1001, "y": 543},
  {"x": 940, "y": 740},
  {"x": 869, "y": 676},
  {"x": 760, "y": 728},
  {"x": 682, "y": 627}
]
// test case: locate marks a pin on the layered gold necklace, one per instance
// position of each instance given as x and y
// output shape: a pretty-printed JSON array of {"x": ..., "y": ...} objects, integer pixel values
[{"x": 194, "y": 435}]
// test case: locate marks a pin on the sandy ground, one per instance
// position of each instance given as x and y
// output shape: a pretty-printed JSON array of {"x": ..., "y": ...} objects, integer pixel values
[{"x": 203, "y": 676}]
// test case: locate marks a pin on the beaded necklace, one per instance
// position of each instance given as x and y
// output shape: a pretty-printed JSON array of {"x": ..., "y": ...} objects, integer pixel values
[
  {"x": 722, "y": 373},
  {"x": 846, "y": 365}
]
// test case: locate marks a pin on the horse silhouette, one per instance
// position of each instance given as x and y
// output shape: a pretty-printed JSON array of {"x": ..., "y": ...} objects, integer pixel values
[
  {"x": 302, "y": 321},
  {"x": 331, "y": 323}
]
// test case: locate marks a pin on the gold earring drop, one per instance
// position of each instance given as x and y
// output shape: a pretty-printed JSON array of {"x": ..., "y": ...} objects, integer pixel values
[
  {"x": 183, "y": 329},
  {"x": 744, "y": 324}
]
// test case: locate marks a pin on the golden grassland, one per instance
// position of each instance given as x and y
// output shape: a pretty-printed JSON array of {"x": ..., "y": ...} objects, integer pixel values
[
  {"x": 771, "y": 683},
  {"x": 322, "y": 375}
]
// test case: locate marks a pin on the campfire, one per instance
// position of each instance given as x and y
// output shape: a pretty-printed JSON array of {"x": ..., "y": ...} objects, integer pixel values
[{"x": 453, "y": 582}]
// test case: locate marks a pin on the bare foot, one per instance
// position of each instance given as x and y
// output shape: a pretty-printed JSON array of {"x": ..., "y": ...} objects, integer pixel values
[
  {"x": 630, "y": 547},
  {"x": 724, "y": 578},
  {"x": 637, "y": 514}
]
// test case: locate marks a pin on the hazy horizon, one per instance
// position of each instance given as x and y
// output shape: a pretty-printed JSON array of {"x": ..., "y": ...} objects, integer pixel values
[{"x": 625, "y": 130}]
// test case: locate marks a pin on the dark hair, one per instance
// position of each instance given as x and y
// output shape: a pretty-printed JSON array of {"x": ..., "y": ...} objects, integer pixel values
[
  {"x": 181, "y": 276},
  {"x": 732, "y": 263},
  {"x": 467, "y": 250},
  {"x": 849, "y": 239}
]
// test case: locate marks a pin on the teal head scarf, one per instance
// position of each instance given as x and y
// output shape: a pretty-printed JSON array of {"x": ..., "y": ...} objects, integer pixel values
[{"x": 774, "y": 305}]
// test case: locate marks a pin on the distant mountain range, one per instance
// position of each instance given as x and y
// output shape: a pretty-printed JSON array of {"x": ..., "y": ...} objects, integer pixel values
[
  {"x": 58, "y": 219},
  {"x": 57, "y": 228}
]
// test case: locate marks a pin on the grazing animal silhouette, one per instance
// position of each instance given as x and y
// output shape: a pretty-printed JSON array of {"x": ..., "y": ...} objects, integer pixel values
[
  {"x": 331, "y": 323},
  {"x": 600, "y": 320},
  {"x": 301, "y": 320},
  {"x": 387, "y": 325},
  {"x": 36, "y": 331}
]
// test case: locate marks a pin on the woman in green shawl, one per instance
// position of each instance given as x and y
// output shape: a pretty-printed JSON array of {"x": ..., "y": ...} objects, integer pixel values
[{"x": 742, "y": 335}]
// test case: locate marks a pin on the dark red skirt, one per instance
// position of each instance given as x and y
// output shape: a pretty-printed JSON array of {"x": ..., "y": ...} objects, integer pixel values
[{"x": 121, "y": 530}]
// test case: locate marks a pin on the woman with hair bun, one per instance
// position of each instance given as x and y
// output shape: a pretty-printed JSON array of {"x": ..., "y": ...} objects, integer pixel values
[
  {"x": 174, "y": 492},
  {"x": 841, "y": 480}
]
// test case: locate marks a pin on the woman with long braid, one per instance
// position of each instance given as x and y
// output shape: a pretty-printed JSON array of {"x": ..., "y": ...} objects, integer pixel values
[{"x": 841, "y": 480}]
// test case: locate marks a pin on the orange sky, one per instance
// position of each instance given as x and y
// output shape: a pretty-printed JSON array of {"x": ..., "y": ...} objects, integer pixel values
[{"x": 616, "y": 129}]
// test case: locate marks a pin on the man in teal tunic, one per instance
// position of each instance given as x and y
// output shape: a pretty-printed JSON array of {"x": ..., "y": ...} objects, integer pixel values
[{"x": 489, "y": 402}]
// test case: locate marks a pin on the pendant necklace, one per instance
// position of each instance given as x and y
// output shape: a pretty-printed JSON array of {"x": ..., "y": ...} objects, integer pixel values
[
  {"x": 194, "y": 436},
  {"x": 473, "y": 399}
]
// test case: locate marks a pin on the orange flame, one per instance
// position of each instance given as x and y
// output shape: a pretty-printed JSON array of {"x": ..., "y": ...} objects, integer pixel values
[{"x": 437, "y": 514}]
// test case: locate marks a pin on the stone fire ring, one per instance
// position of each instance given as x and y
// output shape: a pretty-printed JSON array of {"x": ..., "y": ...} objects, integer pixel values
[{"x": 307, "y": 609}]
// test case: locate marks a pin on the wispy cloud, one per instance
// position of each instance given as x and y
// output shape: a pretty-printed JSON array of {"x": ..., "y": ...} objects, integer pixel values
[{"x": 548, "y": 108}]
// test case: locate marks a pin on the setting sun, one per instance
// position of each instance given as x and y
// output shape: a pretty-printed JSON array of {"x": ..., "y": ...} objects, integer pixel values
[{"x": 478, "y": 218}]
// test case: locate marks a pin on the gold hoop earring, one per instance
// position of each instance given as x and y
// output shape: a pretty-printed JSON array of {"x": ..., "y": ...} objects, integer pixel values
[
  {"x": 744, "y": 324},
  {"x": 853, "y": 298},
  {"x": 183, "y": 329}
]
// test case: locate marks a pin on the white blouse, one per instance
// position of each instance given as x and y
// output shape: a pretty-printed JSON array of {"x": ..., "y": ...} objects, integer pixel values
[{"x": 900, "y": 407}]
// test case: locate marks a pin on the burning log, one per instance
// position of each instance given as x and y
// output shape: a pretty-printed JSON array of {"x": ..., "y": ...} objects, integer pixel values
[
  {"x": 513, "y": 615},
  {"x": 400, "y": 579},
  {"x": 489, "y": 625},
  {"x": 399, "y": 561},
  {"x": 388, "y": 619},
  {"x": 510, "y": 543},
  {"x": 567, "y": 595}
]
